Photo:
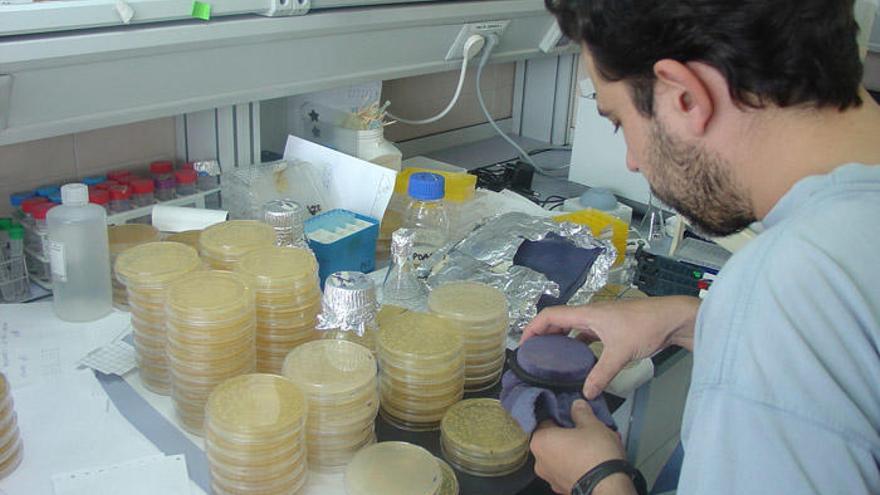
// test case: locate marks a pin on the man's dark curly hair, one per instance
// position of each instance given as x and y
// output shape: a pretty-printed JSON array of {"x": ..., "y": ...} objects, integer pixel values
[{"x": 780, "y": 52}]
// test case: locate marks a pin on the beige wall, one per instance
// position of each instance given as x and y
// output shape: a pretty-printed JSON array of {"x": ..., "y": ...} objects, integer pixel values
[
  {"x": 60, "y": 159},
  {"x": 420, "y": 97}
]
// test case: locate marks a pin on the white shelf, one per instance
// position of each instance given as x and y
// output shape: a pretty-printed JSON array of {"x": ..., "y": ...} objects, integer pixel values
[{"x": 60, "y": 83}]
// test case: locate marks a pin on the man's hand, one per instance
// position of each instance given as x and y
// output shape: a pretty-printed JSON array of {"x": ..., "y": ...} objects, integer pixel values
[
  {"x": 630, "y": 330},
  {"x": 564, "y": 455}
]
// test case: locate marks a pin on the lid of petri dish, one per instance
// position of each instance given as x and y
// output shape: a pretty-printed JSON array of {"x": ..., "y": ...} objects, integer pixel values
[
  {"x": 278, "y": 266},
  {"x": 393, "y": 468},
  {"x": 209, "y": 292},
  {"x": 156, "y": 263},
  {"x": 555, "y": 358},
  {"x": 468, "y": 301},
  {"x": 256, "y": 404},
  {"x": 236, "y": 238},
  {"x": 330, "y": 366},
  {"x": 417, "y": 335},
  {"x": 482, "y": 427}
]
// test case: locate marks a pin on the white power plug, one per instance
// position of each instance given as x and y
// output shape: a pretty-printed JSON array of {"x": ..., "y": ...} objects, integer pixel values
[{"x": 472, "y": 46}]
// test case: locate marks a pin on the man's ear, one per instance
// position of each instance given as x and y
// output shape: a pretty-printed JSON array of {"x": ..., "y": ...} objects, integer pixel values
[{"x": 684, "y": 96}]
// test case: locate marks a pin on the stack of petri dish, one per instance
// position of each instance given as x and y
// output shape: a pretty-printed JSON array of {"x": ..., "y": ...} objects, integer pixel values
[
  {"x": 122, "y": 237},
  {"x": 11, "y": 449},
  {"x": 339, "y": 379},
  {"x": 480, "y": 313},
  {"x": 211, "y": 338},
  {"x": 146, "y": 271},
  {"x": 288, "y": 295},
  {"x": 479, "y": 437},
  {"x": 255, "y": 436},
  {"x": 449, "y": 485},
  {"x": 393, "y": 468},
  {"x": 222, "y": 245},
  {"x": 422, "y": 370}
]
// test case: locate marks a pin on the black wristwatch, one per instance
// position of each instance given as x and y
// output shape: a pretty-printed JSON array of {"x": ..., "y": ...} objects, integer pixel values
[{"x": 588, "y": 482}]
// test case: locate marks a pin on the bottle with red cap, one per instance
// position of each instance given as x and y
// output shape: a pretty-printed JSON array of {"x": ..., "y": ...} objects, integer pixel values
[
  {"x": 27, "y": 208},
  {"x": 120, "y": 199},
  {"x": 142, "y": 192},
  {"x": 186, "y": 181},
  {"x": 41, "y": 230},
  {"x": 163, "y": 178},
  {"x": 100, "y": 197},
  {"x": 118, "y": 175},
  {"x": 106, "y": 185}
]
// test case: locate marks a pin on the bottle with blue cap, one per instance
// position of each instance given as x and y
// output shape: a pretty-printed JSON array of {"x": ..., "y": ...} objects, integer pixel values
[{"x": 426, "y": 215}]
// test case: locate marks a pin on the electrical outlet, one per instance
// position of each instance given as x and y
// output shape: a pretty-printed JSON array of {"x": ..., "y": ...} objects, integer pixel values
[{"x": 482, "y": 28}]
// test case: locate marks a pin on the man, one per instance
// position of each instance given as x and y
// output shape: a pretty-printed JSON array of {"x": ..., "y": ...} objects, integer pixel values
[{"x": 736, "y": 111}]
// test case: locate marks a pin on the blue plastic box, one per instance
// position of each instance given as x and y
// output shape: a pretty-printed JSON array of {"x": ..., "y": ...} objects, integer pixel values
[{"x": 343, "y": 241}]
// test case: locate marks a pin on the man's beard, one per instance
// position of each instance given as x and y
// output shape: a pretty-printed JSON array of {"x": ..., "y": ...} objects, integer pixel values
[{"x": 697, "y": 184}]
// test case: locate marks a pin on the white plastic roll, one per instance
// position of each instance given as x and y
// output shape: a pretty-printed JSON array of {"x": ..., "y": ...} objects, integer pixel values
[{"x": 179, "y": 219}]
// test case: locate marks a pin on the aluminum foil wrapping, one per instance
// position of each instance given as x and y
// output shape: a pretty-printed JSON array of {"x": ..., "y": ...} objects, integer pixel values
[
  {"x": 402, "y": 242},
  {"x": 349, "y": 303},
  {"x": 287, "y": 217},
  {"x": 207, "y": 167},
  {"x": 486, "y": 255}
]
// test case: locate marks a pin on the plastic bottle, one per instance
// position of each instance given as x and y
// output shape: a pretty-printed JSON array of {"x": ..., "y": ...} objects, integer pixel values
[
  {"x": 426, "y": 215},
  {"x": 163, "y": 176},
  {"x": 372, "y": 147},
  {"x": 79, "y": 255},
  {"x": 41, "y": 229}
]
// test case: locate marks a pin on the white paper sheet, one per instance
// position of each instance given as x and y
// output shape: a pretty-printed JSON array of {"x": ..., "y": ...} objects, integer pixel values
[
  {"x": 352, "y": 183},
  {"x": 36, "y": 345},
  {"x": 69, "y": 423},
  {"x": 151, "y": 475}
]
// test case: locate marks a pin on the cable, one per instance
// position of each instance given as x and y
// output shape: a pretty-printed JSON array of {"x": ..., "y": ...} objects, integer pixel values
[
  {"x": 491, "y": 42},
  {"x": 464, "y": 64}
]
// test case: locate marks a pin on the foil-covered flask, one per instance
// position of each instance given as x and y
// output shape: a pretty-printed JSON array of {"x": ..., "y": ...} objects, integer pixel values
[
  {"x": 349, "y": 309},
  {"x": 402, "y": 287},
  {"x": 287, "y": 217}
]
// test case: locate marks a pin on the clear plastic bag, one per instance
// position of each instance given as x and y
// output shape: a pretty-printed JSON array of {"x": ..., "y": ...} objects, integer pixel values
[{"x": 247, "y": 189}]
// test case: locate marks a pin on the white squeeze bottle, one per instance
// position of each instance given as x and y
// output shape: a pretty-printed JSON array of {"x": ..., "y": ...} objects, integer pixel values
[{"x": 80, "y": 257}]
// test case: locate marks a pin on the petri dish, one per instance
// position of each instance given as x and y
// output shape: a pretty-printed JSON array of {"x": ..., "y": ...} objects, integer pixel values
[
  {"x": 479, "y": 437},
  {"x": 449, "y": 486},
  {"x": 209, "y": 296},
  {"x": 471, "y": 302},
  {"x": 225, "y": 243},
  {"x": 418, "y": 337},
  {"x": 188, "y": 237},
  {"x": 393, "y": 468},
  {"x": 279, "y": 267},
  {"x": 155, "y": 264},
  {"x": 256, "y": 405},
  {"x": 334, "y": 367}
]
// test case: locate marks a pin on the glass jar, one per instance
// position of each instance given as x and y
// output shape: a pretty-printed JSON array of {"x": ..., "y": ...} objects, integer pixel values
[
  {"x": 287, "y": 217},
  {"x": 27, "y": 208},
  {"x": 186, "y": 182},
  {"x": 349, "y": 309},
  {"x": 163, "y": 177},
  {"x": 120, "y": 199},
  {"x": 142, "y": 192},
  {"x": 116, "y": 175},
  {"x": 106, "y": 185},
  {"x": 41, "y": 230},
  {"x": 426, "y": 215},
  {"x": 101, "y": 198}
]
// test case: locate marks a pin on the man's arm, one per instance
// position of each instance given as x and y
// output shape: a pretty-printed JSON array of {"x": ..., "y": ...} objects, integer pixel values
[{"x": 630, "y": 330}]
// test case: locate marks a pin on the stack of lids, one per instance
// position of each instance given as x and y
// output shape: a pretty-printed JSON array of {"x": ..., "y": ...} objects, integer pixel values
[
  {"x": 222, "y": 245},
  {"x": 393, "y": 468},
  {"x": 479, "y": 437},
  {"x": 11, "y": 450},
  {"x": 146, "y": 271},
  {"x": 285, "y": 281},
  {"x": 211, "y": 338},
  {"x": 255, "y": 436},
  {"x": 339, "y": 379},
  {"x": 422, "y": 370},
  {"x": 122, "y": 237},
  {"x": 480, "y": 313}
]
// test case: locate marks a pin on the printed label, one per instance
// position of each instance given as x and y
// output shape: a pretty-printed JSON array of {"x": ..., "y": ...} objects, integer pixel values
[{"x": 57, "y": 260}]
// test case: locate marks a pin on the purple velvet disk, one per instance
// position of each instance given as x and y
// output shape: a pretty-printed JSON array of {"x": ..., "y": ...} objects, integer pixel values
[{"x": 555, "y": 357}]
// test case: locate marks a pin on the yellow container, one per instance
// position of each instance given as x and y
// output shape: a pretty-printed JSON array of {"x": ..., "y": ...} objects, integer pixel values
[{"x": 603, "y": 225}]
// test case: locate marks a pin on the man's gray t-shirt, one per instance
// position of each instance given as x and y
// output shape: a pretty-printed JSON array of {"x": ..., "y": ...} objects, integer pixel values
[{"x": 785, "y": 394}]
